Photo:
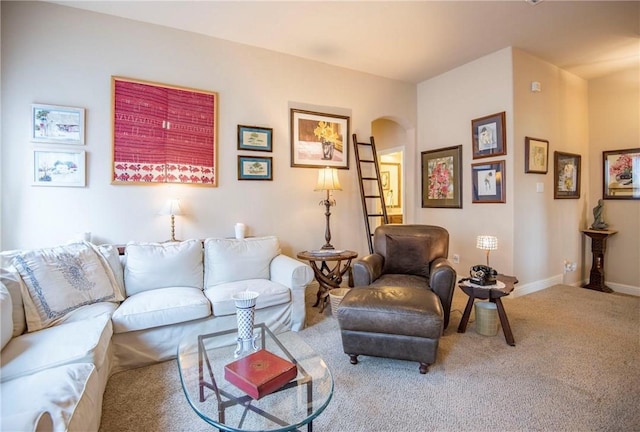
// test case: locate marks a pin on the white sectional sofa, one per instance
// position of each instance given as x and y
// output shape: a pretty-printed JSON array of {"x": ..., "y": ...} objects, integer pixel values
[{"x": 73, "y": 315}]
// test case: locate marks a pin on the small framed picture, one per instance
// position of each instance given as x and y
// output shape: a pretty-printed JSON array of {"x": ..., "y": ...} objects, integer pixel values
[
  {"x": 254, "y": 168},
  {"x": 319, "y": 140},
  {"x": 621, "y": 173},
  {"x": 390, "y": 177},
  {"x": 488, "y": 182},
  {"x": 57, "y": 124},
  {"x": 536, "y": 156},
  {"x": 566, "y": 175},
  {"x": 255, "y": 138},
  {"x": 489, "y": 136},
  {"x": 442, "y": 178},
  {"x": 59, "y": 168}
]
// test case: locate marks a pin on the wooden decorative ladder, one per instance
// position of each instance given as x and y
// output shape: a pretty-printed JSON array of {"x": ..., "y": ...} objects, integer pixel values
[{"x": 373, "y": 205}]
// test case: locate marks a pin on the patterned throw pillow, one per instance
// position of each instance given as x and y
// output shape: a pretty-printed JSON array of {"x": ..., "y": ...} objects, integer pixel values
[{"x": 61, "y": 279}]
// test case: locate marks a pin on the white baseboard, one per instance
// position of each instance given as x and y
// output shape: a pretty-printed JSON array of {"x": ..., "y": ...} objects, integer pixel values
[
  {"x": 532, "y": 287},
  {"x": 624, "y": 289}
]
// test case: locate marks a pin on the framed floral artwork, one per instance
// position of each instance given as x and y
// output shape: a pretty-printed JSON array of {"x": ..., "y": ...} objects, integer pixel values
[
  {"x": 488, "y": 182},
  {"x": 319, "y": 140},
  {"x": 489, "y": 136},
  {"x": 566, "y": 175},
  {"x": 442, "y": 178},
  {"x": 536, "y": 156},
  {"x": 255, "y": 138},
  {"x": 621, "y": 174}
]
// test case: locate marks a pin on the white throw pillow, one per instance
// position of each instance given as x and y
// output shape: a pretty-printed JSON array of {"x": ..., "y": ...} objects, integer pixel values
[
  {"x": 162, "y": 265},
  {"x": 230, "y": 260},
  {"x": 112, "y": 256},
  {"x": 6, "y": 316},
  {"x": 61, "y": 279},
  {"x": 10, "y": 277}
]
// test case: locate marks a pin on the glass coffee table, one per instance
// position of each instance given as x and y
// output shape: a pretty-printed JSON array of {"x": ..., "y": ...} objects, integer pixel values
[{"x": 201, "y": 361}]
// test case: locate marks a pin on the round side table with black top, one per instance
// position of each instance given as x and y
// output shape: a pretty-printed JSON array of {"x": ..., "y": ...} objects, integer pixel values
[
  {"x": 494, "y": 294},
  {"x": 329, "y": 277}
]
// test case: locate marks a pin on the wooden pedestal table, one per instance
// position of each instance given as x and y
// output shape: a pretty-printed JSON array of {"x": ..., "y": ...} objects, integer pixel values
[
  {"x": 329, "y": 277},
  {"x": 494, "y": 295},
  {"x": 598, "y": 248}
]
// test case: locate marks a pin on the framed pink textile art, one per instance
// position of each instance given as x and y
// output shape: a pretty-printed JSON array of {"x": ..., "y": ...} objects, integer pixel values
[{"x": 163, "y": 134}]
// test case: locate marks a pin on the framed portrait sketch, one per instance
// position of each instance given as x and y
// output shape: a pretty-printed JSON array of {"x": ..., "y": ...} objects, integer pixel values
[
  {"x": 621, "y": 173},
  {"x": 566, "y": 175},
  {"x": 57, "y": 124},
  {"x": 319, "y": 140},
  {"x": 442, "y": 178},
  {"x": 254, "y": 168},
  {"x": 488, "y": 182},
  {"x": 59, "y": 168},
  {"x": 390, "y": 176},
  {"x": 255, "y": 138},
  {"x": 536, "y": 155},
  {"x": 489, "y": 136}
]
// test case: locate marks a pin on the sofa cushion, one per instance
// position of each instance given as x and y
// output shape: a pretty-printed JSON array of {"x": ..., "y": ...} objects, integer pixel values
[
  {"x": 68, "y": 393},
  {"x": 28, "y": 421},
  {"x": 229, "y": 260},
  {"x": 61, "y": 279},
  {"x": 160, "y": 307},
  {"x": 151, "y": 266},
  {"x": 407, "y": 255},
  {"x": 85, "y": 341},
  {"x": 112, "y": 257},
  {"x": 270, "y": 294},
  {"x": 6, "y": 316},
  {"x": 10, "y": 277}
]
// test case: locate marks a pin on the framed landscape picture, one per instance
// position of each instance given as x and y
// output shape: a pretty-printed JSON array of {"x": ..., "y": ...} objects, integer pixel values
[
  {"x": 536, "y": 155},
  {"x": 255, "y": 138},
  {"x": 59, "y": 168},
  {"x": 319, "y": 140},
  {"x": 442, "y": 178},
  {"x": 566, "y": 175},
  {"x": 390, "y": 176},
  {"x": 488, "y": 182},
  {"x": 488, "y": 135},
  {"x": 254, "y": 168},
  {"x": 57, "y": 124},
  {"x": 621, "y": 174}
]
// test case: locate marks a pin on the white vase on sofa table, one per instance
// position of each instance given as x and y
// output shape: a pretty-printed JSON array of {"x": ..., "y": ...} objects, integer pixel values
[{"x": 245, "y": 313}]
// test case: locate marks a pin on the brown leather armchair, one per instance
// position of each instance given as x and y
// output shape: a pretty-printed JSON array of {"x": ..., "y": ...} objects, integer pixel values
[
  {"x": 409, "y": 256},
  {"x": 402, "y": 297}
]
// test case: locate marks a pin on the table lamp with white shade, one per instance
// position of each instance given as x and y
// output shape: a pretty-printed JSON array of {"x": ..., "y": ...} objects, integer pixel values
[{"x": 328, "y": 181}]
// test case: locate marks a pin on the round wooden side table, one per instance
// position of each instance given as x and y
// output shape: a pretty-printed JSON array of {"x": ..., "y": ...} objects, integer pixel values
[{"x": 329, "y": 277}]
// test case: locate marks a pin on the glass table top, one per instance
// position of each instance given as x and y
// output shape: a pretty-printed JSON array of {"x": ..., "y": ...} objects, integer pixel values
[{"x": 201, "y": 361}]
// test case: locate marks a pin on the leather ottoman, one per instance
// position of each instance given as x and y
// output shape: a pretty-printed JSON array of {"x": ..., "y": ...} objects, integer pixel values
[{"x": 395, "y": 322}]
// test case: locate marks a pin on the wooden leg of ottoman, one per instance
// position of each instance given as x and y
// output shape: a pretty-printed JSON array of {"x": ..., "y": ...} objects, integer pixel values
[
  {"x": 353, "y": 358},
  {"x": 424, "y": 368}
]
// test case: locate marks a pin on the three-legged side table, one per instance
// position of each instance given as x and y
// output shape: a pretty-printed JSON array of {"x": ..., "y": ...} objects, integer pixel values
[
  {"x": 494, "y": 295},
  {"x": 329, "y": 277}
]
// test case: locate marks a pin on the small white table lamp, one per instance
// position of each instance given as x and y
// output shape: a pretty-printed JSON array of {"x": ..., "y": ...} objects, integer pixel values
[
  {"x": 487, "y": 243},
  {"x": 172, "y": 208}
]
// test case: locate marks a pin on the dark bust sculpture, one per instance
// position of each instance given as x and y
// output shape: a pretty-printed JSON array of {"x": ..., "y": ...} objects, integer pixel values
[{"x": 598, "y": 221}]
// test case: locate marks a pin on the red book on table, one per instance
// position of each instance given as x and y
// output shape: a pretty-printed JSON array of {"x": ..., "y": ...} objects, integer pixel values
[{"x": 260, "y": 373}]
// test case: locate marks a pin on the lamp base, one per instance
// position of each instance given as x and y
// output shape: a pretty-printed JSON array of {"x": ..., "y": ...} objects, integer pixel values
[{"x": 327, "y": 246}]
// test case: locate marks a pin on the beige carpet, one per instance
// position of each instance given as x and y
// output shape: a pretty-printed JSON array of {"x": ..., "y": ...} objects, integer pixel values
[{"x": 575, "y": 367}]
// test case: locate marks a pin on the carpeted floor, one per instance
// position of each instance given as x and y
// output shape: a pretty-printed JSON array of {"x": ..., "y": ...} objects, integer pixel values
[{"x": 575, "y": 367}]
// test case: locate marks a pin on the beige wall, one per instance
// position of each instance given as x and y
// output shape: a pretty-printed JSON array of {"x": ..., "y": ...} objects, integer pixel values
[
  {"x": 614, "y": 120},
  {"x": 446, "y": 106},
  {"x": 58, "y": 55},
  {"x": 548, "y": 229}
]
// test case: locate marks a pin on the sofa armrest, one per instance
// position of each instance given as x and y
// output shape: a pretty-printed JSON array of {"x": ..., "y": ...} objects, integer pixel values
[
  {"x": 296, "y": 276},
  {"x": 367, "y": 269},
  {"x": 442, "y": 281}
]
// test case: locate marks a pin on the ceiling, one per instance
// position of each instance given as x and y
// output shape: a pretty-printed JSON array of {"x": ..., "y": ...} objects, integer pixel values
[{"x": 409, "y": 41}]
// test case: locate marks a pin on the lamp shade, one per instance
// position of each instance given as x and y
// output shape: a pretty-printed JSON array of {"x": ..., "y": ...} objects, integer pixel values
[
  {"x": 328, "y": 179},
  {"x": 171, "y": 207},
  {"x": 487, "y": 243}
]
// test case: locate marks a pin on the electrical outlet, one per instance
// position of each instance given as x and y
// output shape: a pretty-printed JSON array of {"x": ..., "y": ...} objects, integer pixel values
[
  {"x": 456, "y": 259},
  {"x": 569, "y": 266}
]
